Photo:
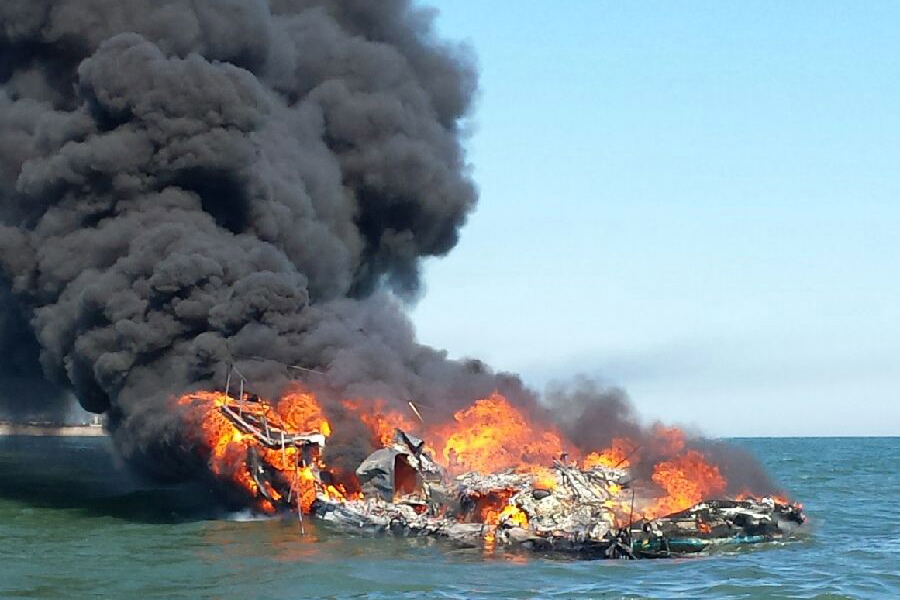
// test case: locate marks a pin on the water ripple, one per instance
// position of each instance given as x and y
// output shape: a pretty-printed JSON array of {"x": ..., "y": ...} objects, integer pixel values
[{"x": 109, "y": 540}]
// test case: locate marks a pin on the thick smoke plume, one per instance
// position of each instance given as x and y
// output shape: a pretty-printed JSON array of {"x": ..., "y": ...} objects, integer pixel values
[{"x": 189, "y": 183}]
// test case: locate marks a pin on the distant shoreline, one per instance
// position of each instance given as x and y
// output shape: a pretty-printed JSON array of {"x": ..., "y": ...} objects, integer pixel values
[{"x": 31, "y": 429}]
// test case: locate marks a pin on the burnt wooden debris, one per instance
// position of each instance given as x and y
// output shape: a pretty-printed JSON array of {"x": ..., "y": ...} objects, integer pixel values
[{"x": 563, "y": 510}]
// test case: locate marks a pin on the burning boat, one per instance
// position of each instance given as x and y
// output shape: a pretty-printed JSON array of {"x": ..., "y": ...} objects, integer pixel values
[
  {"x": 287, "y": 171},
  {"x": 442, "y": 485}
]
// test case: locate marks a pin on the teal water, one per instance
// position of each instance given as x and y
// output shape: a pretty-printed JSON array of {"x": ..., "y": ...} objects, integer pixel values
[{"x": 74, "y": 525}]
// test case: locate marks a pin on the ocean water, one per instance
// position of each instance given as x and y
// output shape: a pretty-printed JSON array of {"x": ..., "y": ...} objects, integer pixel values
[{"x": 73, "y": 524}]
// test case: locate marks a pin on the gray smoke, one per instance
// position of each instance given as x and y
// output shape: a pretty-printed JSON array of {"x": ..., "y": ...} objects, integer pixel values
[
  {"x": 26, "y": 394},
  {"x": 593, "y": 415},
  {"x": 189, "y": 183}
]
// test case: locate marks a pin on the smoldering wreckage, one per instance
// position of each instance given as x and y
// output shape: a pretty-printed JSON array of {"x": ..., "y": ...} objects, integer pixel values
[{"x": 589, "y": 508}]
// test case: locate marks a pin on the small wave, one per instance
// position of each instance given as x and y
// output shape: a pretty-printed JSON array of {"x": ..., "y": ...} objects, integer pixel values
[{"x": 247, "y": 516}]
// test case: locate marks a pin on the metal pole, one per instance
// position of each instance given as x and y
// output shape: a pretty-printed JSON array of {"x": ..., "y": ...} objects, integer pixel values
[
  {"x": 228, "y": 381},
  {"x": 239, "y": 374},
  {"x": 296, "y": 479},
  {"x": 416, "y": 410},
  {"x": 627, "y": 456},
  {"x": 631, "y": 514},
  {"x": 300, "y": 513},
  {"x": 308, "y": 370},
  {"x": 299, "y": 494},
  {"x": 631, "y": 520}
]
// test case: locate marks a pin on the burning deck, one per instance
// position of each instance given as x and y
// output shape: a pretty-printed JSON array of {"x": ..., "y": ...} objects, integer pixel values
[
  {"x": 559, "y": 509},
  {"x": 592, "y": 507}
]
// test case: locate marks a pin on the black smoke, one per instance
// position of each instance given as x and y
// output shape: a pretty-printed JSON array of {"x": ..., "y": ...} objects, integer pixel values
[
  {"x": 26, "y": 394},
  {"x": 594, "y": 415},
  {"x": 187, "y": 183},
  {"x": 190, "y": 183}
]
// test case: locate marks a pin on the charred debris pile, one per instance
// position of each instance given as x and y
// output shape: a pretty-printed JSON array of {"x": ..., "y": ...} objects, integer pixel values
[{"x": 270, "y": 455}]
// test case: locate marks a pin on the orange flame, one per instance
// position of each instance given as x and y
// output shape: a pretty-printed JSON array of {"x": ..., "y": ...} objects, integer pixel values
[
  {"x": 494, "y": 508},
  {"x": 667, "y": 441},
  {"x": 300, "y": 412},
  {"x": 380, "y": 420},
  {"x": 490, "y": 435},
  {"x": 544, "y": 478},
  {"x": 687, "y": 480},
  {"x": 615, "y": 456},
  {"x": 228, "y": 449},
  {"x": 510, "y": 514},
  {"x": 493, "y": 435}
]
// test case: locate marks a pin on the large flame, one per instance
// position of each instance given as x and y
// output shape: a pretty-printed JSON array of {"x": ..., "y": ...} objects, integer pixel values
[
  {"x": 228, "y": 449},
  {"x": 491, "y": 435},
  {"x": 380, "y": 420},
  {"x": 300, "y": 411},
  {"x": 616, "y": 456},
  {"x": 687, "y": 480}
]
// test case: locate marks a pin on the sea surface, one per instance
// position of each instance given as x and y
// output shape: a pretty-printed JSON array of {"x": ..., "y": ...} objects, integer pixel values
[{"x": 74, "y": 524}]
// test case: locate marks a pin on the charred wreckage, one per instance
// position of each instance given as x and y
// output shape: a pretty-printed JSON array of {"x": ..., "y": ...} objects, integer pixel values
[
  {"x": 593, "y": 512},
  {"x": 564, "y": 509}
]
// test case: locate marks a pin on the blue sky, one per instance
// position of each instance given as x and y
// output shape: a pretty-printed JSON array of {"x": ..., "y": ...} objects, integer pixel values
[{"x": 698, "y": 201}]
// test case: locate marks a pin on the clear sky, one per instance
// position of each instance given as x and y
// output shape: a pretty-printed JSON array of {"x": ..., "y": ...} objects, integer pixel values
[{"x": 698, "y": 201}]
